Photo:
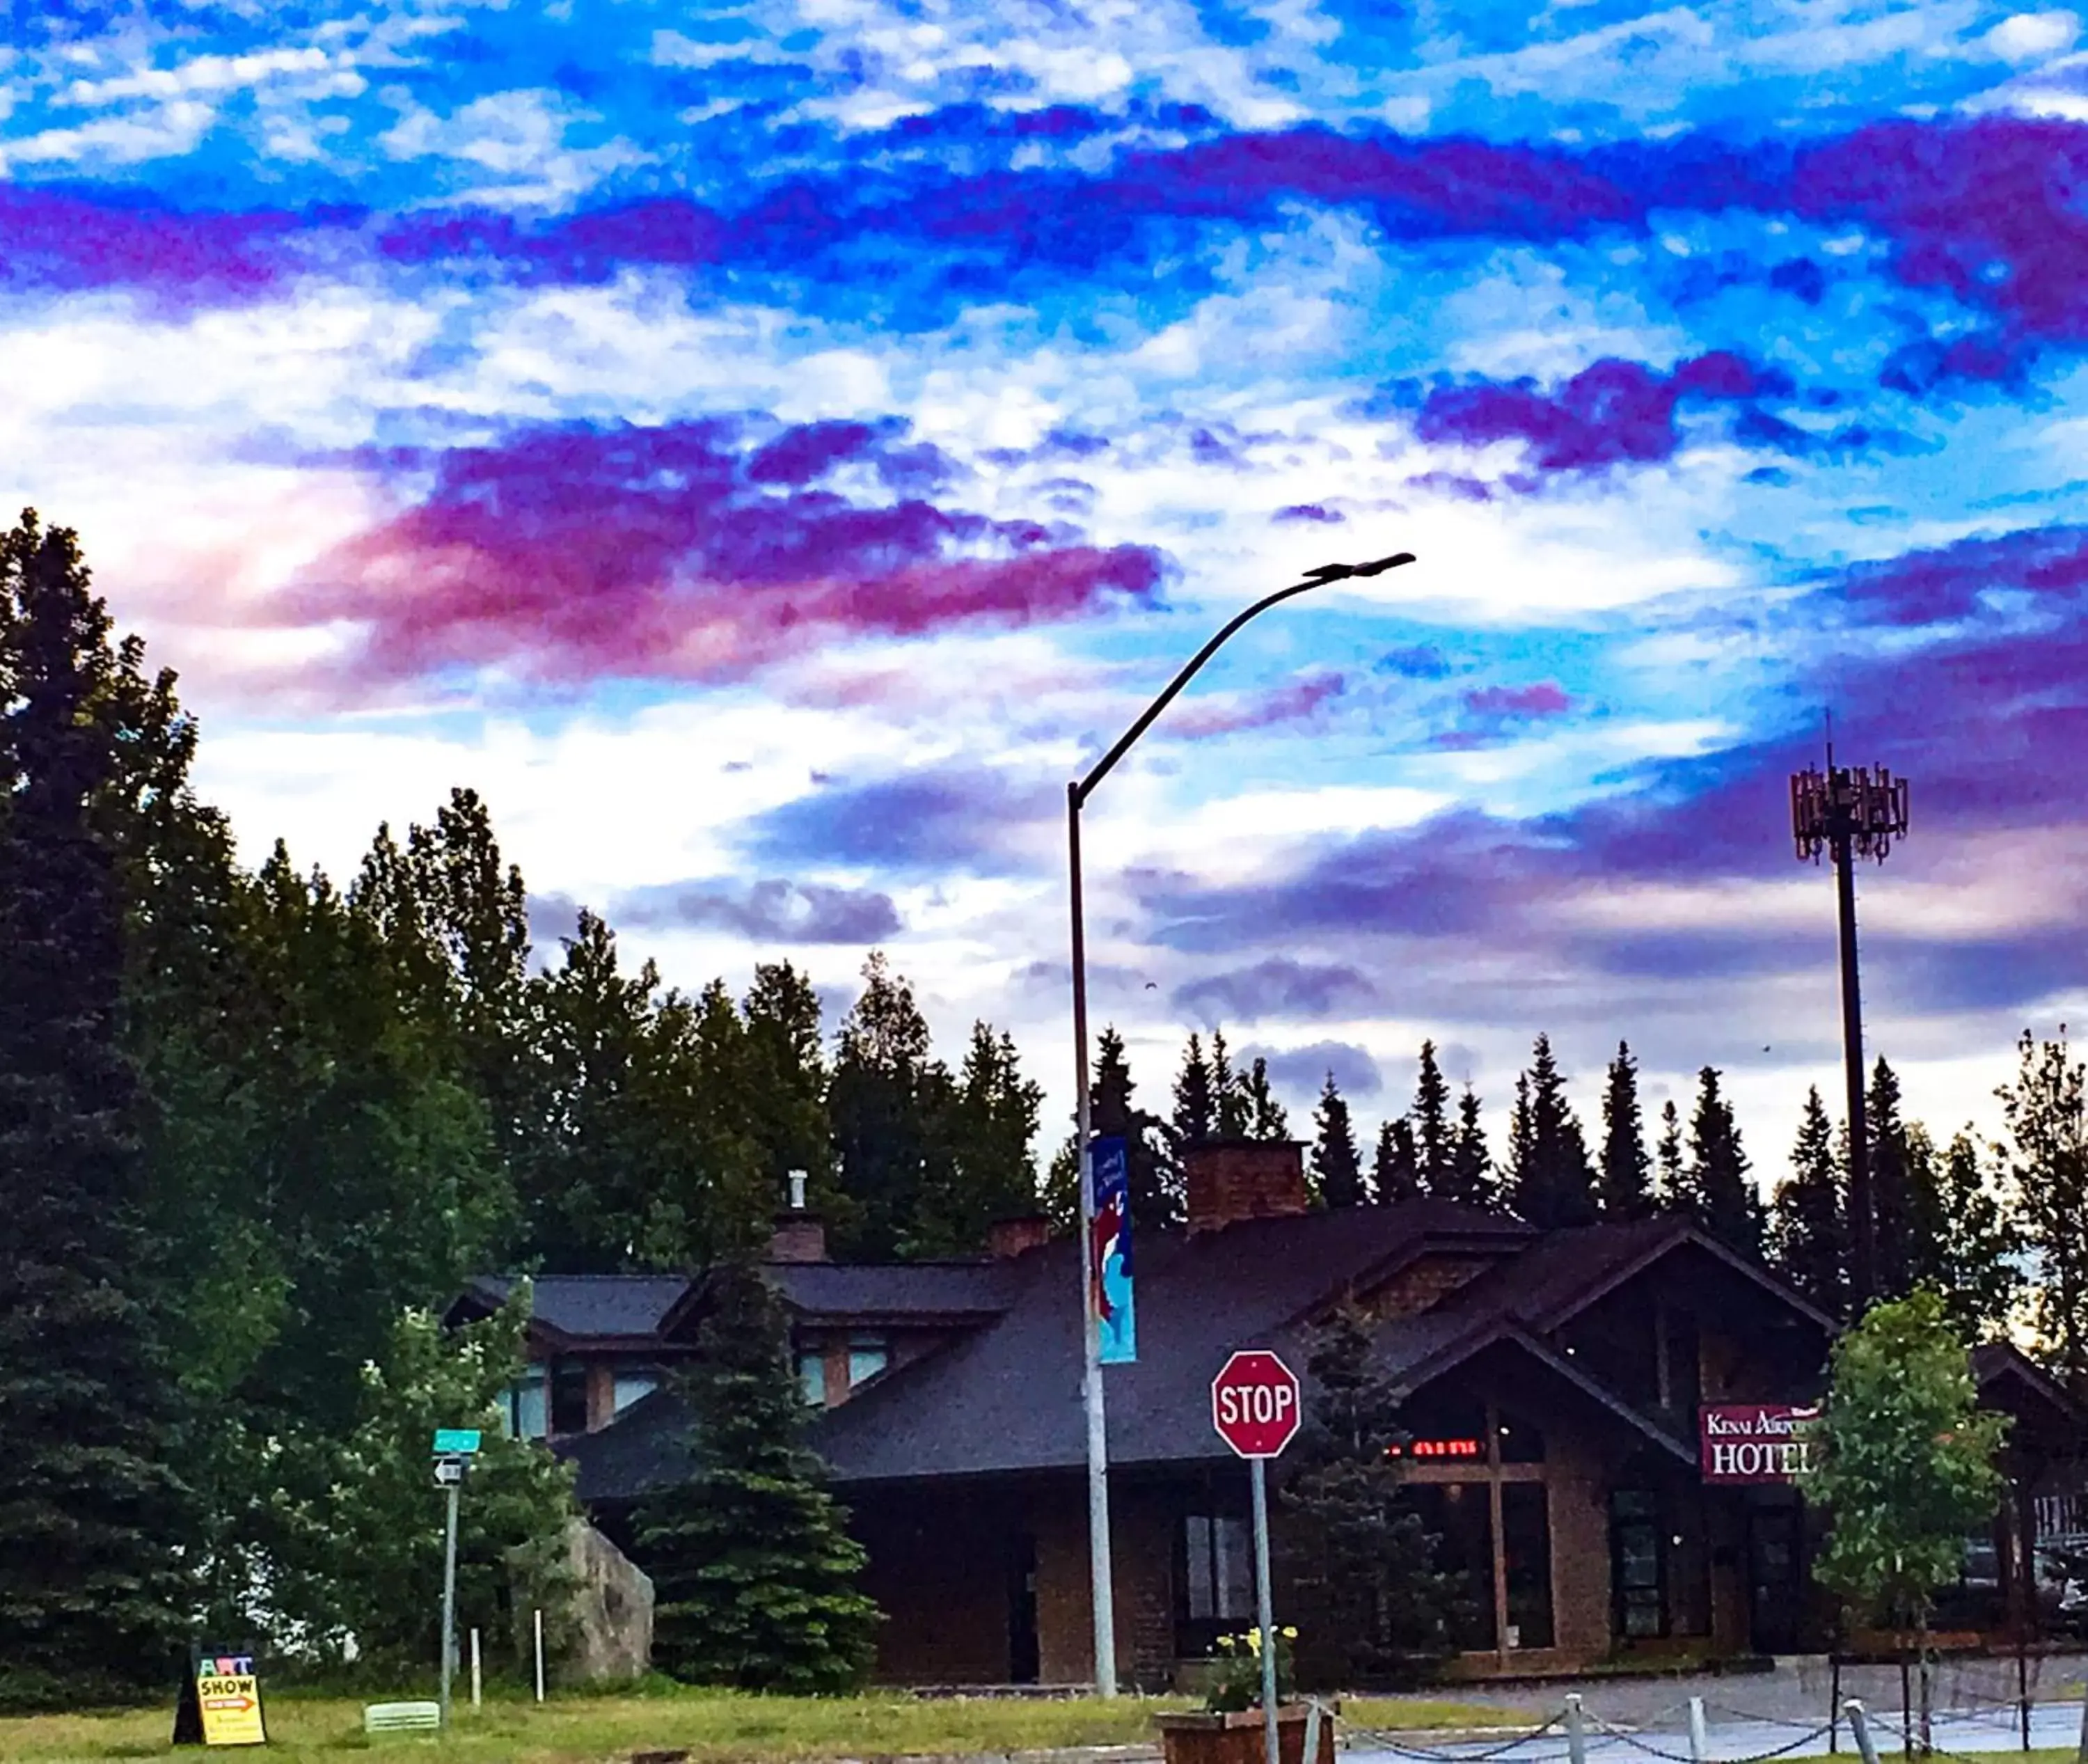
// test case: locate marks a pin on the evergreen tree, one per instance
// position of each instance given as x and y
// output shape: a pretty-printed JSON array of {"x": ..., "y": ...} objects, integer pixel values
[
  {"x": 1627, "y": 1171},
  {"x": 1266, "y": 1118},
  {"x": 1808, "y": 1236},
  {"x": 2046, "y": 1111},
  {"x": 1337, "y": 1166},
  {"x": 1390, "y": 1611},
  {"x": 1670, "y": 1183},
  {"x": 988, "y": 1136},
  {"x": 784, "y": 1086},
  {"x": 755, "y": 1572},
  {"x": 1472, "y": 1182},
  {"x": 1156, "y": 1196},
  {"x": 1720, "y": 1195},
  {"x": 1432, "y": 1134},
  {"x": 1893, "y": 1202},
  {"x": 1970, "y": 1258},
  {"x": 1396, "y": 1169},
  {"x": 885, "y": 1091},
  {"x": 1195, "y": 1121},
  {"x": 92, "y": 1518},
  {"x": 1548, "y": 1173},
  {"x": 1232, "y": 1110}
]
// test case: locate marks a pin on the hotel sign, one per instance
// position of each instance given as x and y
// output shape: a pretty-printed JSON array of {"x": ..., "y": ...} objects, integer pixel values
[{"x": 1753, "y": 1441}]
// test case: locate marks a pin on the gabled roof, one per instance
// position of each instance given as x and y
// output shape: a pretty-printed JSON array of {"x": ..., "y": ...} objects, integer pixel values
[
  {"x": 1997, "y": 1362},
  {"x": 622, "y": 1308},
  {"x": 871, "y": 1294}
]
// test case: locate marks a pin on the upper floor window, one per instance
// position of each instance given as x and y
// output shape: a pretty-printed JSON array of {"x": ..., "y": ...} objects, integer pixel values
[
  {"x": 812, "y": 1375},
  {"x": 633, "y": 1385},
  {"x": 868, "y": 1355},
  {"x": 526, "y": 1413},
  {"x": 569, "y": 1396}
]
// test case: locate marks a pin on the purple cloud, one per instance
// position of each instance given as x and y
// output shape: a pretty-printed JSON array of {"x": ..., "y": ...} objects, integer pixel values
[
  {"x": 1309, "y": 512},
  {"x": 771, "y": 910},
  {"x": 1545, "y": 699},
  {"x": 1279, "y": 987},
  {"x": 1296, "y": 702},
  {"x": 573, "y": 551},
  {"x": 1611, "y": 413},
  {"x": 946, "y": 818},
  {"x": 1301, "y": 1071}
]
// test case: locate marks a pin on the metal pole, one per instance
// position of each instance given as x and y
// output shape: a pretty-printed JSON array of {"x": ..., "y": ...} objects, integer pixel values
[
  {"x": 1833, "y": 1704},
  {"x": 1860, "y": 1727},
  {"x": 1313, "y": 1717},
  {"x": 538, "y": 1625},
  {"x": 1700, "y": 1741},
  {"x": 477, "y": 1684},
  {"x": 449, "y": 1594},
  {"x": 1264, "y": 1610},
  {"x": 1102, "y": 1587},
  {"x": 1577, "y": 1735},
  {"x": 2081, "y": 1751},
  {"x": 1863, "y": 1218}
]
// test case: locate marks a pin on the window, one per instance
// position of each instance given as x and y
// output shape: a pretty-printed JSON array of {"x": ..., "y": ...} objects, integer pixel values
[
  {"x": 525, "y": 1410},
  {"x": 868, "y": 1356},
  {"x": 1526, "y": 1555},
  {"x": 569, "y": 1397},
  {"x": 812, "y": 1377},
  {"x": 1460, "y": 1518},
  {"x": 1635, "y": 1554},
  {"x": 1220, "y": 1569},
  {"x": 634, "y": 1386}
]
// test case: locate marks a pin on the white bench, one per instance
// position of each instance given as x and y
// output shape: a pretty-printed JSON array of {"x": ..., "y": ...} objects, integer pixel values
[{"x": 402, "y": 1718}]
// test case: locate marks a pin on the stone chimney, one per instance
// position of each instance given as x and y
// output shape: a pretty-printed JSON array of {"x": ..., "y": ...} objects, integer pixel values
[
  {"x": 799, "y": 1236},
  {"x": 1231, "y": 1179},
  {"x": 1008, "y": 1238}
]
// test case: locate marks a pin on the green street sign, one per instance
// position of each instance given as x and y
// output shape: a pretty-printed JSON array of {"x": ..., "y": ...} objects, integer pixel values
[{"x": 455, "y": 1441}]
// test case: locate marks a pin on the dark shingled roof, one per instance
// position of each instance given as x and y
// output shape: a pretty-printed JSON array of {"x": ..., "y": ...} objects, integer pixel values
[
  {"x": 1005, "y": 1396},
  {"x": 909, "y": 1291},
  {"x": 584, "y": 1306}
]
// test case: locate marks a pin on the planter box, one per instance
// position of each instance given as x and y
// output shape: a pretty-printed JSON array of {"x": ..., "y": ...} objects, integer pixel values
[{"x": 1236, "y": 1738}]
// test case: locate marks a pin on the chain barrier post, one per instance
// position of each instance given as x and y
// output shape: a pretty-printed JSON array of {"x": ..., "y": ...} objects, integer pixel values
[
  {"x": 1577, "y": 1736},
  {"x": 1833, "y": 1704},
  {"x": 1310, "y": 1755},
  {"x": 1859, "y": 1731},
  {"x": 2083, "y": 1748},
  {"x": 1700, "y": 1741}
]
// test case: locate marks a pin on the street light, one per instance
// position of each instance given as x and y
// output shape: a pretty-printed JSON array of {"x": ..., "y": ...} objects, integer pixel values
[
  {"x": 1077, "y": 793},
  {"x": 1851, "y": 811}
]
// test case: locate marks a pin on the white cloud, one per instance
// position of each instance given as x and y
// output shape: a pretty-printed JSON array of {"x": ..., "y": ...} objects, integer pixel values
[
  {"x": 166, "y": 131},
  {"x": 518, "y": 137},
  {"x": 2028, "y": 36}
]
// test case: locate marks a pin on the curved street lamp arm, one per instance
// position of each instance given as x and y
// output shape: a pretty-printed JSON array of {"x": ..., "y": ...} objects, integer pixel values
[{"x": 1319, "y": 578}]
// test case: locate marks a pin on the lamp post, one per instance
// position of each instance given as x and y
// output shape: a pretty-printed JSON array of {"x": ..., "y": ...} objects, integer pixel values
[
  {"x": 1077, "y": 792},
  {"x": 1851, "y": 811}
]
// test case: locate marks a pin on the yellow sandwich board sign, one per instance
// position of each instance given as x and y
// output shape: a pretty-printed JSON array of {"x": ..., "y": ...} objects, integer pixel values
[{"x": 226, "y": 1710}]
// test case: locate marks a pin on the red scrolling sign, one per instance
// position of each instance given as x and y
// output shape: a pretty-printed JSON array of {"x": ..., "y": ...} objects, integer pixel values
[{"x": 1752, "y": 1441}]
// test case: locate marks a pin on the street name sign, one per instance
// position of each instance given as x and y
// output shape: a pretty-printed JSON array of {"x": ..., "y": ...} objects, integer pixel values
[{"x": 455, "y": 1441}]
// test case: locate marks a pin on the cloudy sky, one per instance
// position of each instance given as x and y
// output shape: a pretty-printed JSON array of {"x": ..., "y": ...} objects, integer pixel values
[{"x": 767, "y": 447}]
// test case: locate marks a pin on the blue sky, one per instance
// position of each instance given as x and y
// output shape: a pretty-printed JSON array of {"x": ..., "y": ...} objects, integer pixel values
[{"x": 768, "y": 448}]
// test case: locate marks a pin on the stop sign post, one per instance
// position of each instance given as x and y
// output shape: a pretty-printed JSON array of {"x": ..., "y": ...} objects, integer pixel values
[{"x": 1255, "y": 1408}]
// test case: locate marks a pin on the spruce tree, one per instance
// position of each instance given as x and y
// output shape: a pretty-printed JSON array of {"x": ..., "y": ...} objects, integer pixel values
[
  {"x": 1550, "y": 1179},
  {"x": 1670, "y": 1183},
  {"x": 1391, "y": 1612},
  {"x": 1336, "y": 1165},
  {"x": 1395, "y": 1168},
  {"x": 1196, "y": 1119},
  {"x": 886, "y": 1088},
  {"x": 1472, "y": 1182},
  {"x": 1808, "y": 1233},
  {"x": 1432, "y": 1137},
  {"x": 1893, "y": 1203},
  {"x": 985, "y": 1132},
  {"x": 1971, "y": 1258},
  {"x": 2046, "y": 1111},
  {"x": 1266, "y": 1118},
  {"x": 754, "y": 1575},
  {"x": 92, "y": 1520},
  {"x": 1627, "y": 1191},
  {"x": 1156, "y": 1187},
  {"x": 1233, "y": 1111},
  {"x": 1724, "y": 1201}
]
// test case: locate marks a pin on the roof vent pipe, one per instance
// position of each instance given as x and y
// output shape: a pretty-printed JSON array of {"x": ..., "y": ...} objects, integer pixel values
[{"x": 797, "y": 1191}]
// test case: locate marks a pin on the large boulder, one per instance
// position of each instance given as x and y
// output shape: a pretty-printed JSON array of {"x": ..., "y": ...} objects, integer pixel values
[{"x": 607, "y": 1635}]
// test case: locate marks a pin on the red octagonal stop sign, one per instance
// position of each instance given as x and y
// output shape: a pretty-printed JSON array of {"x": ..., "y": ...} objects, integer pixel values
[{"x": 1254, "y": 1404}]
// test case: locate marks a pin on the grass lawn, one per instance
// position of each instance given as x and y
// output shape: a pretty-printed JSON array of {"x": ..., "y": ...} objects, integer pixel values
[{"x": 712, "y": 1727}]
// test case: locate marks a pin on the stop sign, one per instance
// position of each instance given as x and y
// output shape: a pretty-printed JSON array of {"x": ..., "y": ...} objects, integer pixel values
[{"x": 1254, "y": 1404}]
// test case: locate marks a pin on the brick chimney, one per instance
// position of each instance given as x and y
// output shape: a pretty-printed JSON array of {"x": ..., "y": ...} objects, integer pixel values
[
  {"x": 1231, "y": 1179},
  {"x": 799, "y": 1236},
  {"x": 1006, "y": 1239}
]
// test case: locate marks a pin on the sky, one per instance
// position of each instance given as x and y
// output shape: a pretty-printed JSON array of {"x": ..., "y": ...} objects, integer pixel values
[{"x": 768, "y": 448}]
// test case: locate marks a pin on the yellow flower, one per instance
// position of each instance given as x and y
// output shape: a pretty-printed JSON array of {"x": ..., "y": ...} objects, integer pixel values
[{"x": 1288, "y": 1633}]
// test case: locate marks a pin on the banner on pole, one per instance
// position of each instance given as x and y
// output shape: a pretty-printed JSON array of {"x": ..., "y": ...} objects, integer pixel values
[{"x": 1109, "y": 1252}]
